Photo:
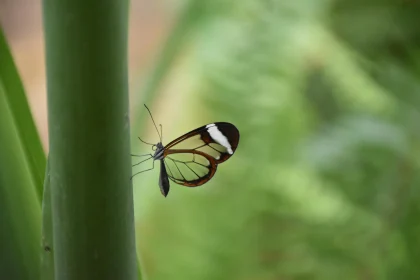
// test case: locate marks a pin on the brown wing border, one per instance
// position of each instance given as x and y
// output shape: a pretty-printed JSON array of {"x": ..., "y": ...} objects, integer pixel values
[{"x": 190, "y": 183}]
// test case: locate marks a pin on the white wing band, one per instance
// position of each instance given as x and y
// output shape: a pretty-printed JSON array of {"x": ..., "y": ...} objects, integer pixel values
[{"x": 219, "y": 137}]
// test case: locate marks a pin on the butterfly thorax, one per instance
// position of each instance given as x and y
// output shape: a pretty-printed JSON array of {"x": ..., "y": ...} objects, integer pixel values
[{"x": 159, "y": 152}]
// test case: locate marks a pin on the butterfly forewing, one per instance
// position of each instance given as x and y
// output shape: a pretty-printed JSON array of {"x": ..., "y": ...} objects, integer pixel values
[
  {"x": 189, "y": 167},
  {"x": 218, "y": 140}
]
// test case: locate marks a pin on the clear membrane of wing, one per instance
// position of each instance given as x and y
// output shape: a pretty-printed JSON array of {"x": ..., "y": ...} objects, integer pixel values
[
  {"x": 213, "y": 149},
  {"x": 188, "y": 168},
  {"x": 195, "y": 143},
  {"x": 189, "y": 143}
]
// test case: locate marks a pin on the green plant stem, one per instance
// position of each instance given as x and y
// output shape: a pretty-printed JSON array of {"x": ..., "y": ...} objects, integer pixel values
[
  {"x": 47, "y": 255},
  {"x": 90, "y": 166}
]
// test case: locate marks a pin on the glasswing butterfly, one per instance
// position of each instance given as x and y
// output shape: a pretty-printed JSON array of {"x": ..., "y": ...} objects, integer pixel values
[{"x": 191, "y": 160}]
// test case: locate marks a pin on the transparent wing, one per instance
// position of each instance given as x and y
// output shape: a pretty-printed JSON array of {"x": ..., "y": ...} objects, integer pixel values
[
  {"x": 188, "y": 167},
  {"x": 218, "y": 140}
]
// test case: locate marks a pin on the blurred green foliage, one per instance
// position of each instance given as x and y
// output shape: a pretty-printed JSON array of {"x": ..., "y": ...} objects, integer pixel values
[{"x": 325, "y": 183}]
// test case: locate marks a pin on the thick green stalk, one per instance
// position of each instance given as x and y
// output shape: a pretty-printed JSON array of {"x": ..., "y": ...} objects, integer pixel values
[
  {"x": 47, "y": 255},
  {"x": 90, "y": 166}
]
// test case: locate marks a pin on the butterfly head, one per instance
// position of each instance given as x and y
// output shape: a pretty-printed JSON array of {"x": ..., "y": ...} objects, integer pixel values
[{"x": 159, "y": 149}]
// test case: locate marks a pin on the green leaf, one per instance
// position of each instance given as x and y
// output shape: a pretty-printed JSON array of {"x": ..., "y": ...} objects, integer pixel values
[
  {"x": 22, "y": 163},
  {"x": 15, "y": 98},
  {"x": 20, "y": 215}
]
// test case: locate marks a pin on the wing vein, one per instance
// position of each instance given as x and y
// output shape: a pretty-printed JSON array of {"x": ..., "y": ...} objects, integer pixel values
[
  {"x": 214, "y": 148},
  {"x": 168, "y": 168},
  {"x": 182, "y": 175},
  {"x": 206, "y": 166},
  {"x": 192, "y": 170}
]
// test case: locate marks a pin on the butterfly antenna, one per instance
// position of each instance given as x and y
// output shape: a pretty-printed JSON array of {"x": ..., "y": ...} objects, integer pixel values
[
  {"x": 160, "y": 136},
  {"x": 161, "y": 133},
  {"x": 145, "y": 142}
]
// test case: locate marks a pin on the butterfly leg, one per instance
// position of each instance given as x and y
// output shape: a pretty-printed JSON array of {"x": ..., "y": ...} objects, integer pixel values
[
  {"x": 153, "y": 166},
  {"x": 143, "y": 155},
  {"x": 150, "y": 156}
]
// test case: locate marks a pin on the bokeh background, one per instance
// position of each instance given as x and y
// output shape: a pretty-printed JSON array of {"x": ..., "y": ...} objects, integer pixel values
[{"x": 326, "y": 95}]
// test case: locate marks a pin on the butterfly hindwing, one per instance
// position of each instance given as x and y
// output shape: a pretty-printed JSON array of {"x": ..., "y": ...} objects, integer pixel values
[{"x": 188, "y": 167}]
